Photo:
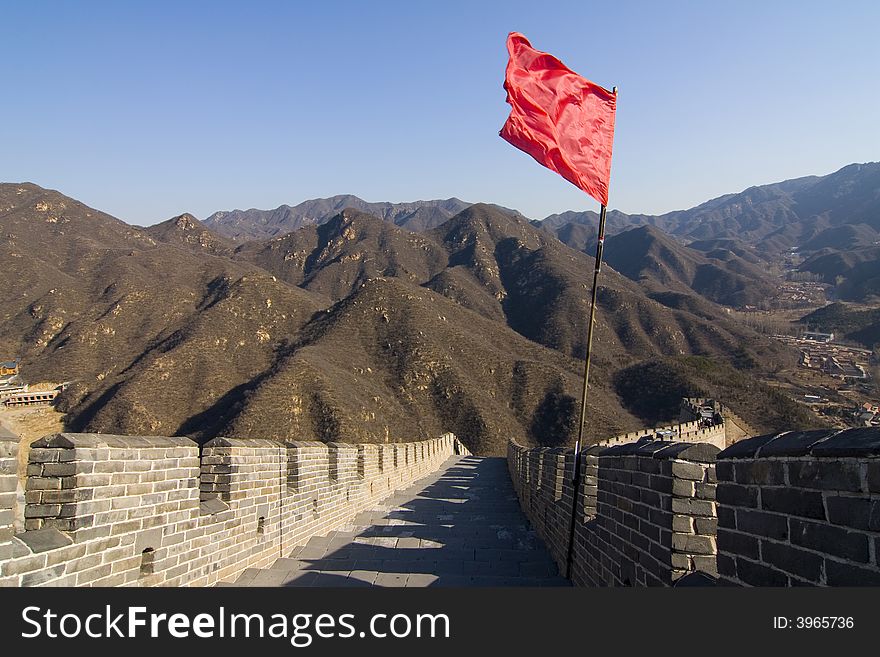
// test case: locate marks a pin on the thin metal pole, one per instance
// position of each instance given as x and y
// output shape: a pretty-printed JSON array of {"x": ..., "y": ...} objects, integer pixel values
[
  {"x": 576, "y": 479},
  {"x": 600, "y": 246},
  {"x": 577, "y": 461}
]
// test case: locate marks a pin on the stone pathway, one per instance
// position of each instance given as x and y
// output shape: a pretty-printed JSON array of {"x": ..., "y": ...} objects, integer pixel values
[{"x": 460, "y": 526}]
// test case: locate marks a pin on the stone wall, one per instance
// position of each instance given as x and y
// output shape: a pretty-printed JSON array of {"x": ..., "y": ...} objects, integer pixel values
[
  {"x": 800, "y": 508},
  {"x": 8, "y": 486},
  {"x": 106, "y": 510},
  {"x": 792, "y": 509},
  {"x": 735, "y": 427},
  {"x": 691, "y": 431},
  {"x": 644, "y": 514}
]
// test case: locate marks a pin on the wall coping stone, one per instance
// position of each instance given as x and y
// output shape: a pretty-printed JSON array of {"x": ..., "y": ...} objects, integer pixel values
[
  {"x": 307, "y": 443},
  {"x": 665, "y": 449},
  {"x": 700, "y": 452},
  {"x": 796, "y": 443},
  {"x": 864, "y": 441},
  {"x": 746, "y": 449},
  {"x": 833, "y": 443},
  {"x": 92, "y": 440},
  {"x": 222, "y": 441}
]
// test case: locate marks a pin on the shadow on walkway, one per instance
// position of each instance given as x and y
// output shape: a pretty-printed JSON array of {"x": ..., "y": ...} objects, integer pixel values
[{"x": 460, "y": 526}]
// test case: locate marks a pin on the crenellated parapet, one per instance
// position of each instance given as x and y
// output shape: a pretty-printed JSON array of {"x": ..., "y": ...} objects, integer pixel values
[
  {"x": 103, "y": 510},
  {"x": 644, "y": 513},
  {"x": 788, "y": 509},
  {"x": 694, "y": 431},
  {"x": 801, "y": 508}
]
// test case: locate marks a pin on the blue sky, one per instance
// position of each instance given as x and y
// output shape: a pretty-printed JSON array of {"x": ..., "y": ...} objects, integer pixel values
[{"x": 149, "y": 110}]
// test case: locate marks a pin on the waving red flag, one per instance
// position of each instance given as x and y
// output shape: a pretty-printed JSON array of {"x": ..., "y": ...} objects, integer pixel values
[{"x": 562, "y": 120}]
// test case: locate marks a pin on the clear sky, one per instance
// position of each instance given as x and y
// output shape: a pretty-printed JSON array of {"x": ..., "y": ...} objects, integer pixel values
[{"x": 148, "y": 110}]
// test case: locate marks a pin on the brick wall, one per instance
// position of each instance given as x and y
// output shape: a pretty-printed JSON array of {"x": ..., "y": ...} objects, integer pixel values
[
  {"x": 149, "y": 511},
  {"x": 735, "y": 428},
  {"x": 690, "y": 432},
  {"x": 800, "y": 508},
  {"x": 8, "y": 485},
  {"x": 644, "y": 514}
]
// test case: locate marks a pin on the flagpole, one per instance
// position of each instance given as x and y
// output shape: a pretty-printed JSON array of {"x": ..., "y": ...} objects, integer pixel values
[{"x": 576, "y": 478}]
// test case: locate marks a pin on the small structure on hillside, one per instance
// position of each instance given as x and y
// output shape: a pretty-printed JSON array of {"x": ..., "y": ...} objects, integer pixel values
[{"x": 31, "y": 398}]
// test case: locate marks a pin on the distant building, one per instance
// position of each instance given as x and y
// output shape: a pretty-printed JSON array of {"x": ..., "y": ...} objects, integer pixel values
[
  {"x": 30, "y": 398},
  {"x": 9, "y": 368},
  {"x": 846, "y": 369},
  {"x": 814, "y": 336}
]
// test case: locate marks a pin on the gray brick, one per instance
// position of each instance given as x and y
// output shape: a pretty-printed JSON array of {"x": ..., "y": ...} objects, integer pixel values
[
  {"x": 726, "y": 564},
  {"x": 830, "y": 539},
  {"x": 737, "y": 543},
  {"x": 689, "y": 506},
  {"x": 843, "y": 574},
  {"x": 724, "y": 471},
  {"x": 59, "y": 469},
  {"x": 793, "y": 501},
  {"x": 793, "y": 560},
  {"x": 873, "y": 478},
  {"x": 761, "y": 523},
  {"x": 42, "y": 576},
  {"x": 737, "y": 495},
  {"x": 726, "y": 517},
  {"x": 706, "y": 564},
  {"x": 706, "y": 491},
  {"x": 685, "y": 470},
  {"x": 855, "y": 512},
  {"x": 683, "y": 488},
  {"x": 42, "y": 510},
  {"x": 761, "y": 471},
  {"x": 682, "y": 524},
  {"x": 756, "y": 574},
  {"x": 693, "y": 544},
  {"x": 826, "y": 474},
  {"x": 707, "y": 526},
  {"x": 43, "y": 483}
]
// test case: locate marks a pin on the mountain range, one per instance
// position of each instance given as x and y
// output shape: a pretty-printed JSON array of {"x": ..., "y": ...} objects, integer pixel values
[
  {"x": 840, "y": 210},
  {"x": 354, "y": 329},
  {"x": 836, "y": 215},
  {"x": 253, "y": 224}
]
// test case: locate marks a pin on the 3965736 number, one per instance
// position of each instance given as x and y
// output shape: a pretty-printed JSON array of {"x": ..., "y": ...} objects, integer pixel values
[{"x": 824, "y": 622}]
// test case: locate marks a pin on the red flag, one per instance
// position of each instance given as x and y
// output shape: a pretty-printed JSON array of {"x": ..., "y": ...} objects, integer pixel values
[{"x": 562, "y": 120}]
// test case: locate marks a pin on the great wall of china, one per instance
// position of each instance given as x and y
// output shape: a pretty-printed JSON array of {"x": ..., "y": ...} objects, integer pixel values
[
  {"x": 106, "y": 510},
  {"x": 790, "y": 509}
]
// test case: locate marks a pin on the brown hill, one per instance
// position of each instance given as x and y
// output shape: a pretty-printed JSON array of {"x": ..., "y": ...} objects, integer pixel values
[
  {"x": 353, "y": 330},
  {"x": 395, "y": 361},
  {"x": 335, "y": 258},
  {"x": 855, "y": 272},
  {"x": 93, "y": 300},
  {"x": 187, "y": 231},
  {"x": 659, "y": 263},
  {"x": 541, "y": 288}
]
